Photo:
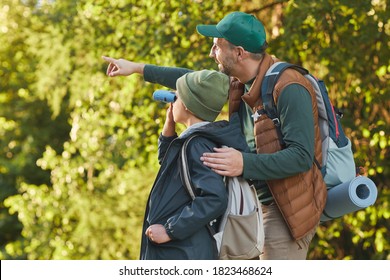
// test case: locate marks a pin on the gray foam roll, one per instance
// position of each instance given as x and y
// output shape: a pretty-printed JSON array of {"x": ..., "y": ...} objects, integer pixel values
[{"x": 348, "y": 197}]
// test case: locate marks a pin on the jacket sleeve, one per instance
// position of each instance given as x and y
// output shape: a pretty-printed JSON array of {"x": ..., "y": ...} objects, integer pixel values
[
  {"x": 211, "y": 194},
  {"x": 165, "y": 76}
]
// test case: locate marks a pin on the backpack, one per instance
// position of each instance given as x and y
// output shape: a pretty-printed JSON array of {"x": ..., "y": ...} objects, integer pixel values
[
  {"x": 240, "y": 234},
  {"x": 338, "y": 165}
]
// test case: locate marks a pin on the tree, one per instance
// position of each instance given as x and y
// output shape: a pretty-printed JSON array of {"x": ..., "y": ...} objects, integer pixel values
[{"x": 23, "y": 115}]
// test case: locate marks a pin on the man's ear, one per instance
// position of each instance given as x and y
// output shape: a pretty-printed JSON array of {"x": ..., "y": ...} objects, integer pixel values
[{"x": 241, "y": 53}]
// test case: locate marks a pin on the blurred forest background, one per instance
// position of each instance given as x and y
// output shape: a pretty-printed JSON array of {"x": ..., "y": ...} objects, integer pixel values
[{"x": 78, "y": 149}]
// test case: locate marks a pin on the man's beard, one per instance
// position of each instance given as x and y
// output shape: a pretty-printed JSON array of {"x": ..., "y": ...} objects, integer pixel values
[{"x": 226, "y": 67}]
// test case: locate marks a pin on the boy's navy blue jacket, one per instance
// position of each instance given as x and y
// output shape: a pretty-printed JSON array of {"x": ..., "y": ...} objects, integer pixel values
[{"x": 169, "y": 203}]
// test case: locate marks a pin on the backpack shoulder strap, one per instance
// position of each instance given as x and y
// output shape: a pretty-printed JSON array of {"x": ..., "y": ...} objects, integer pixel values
[
  {"x": 186, "y": 177},
  {"x": 267, "y": 89},
  {"x": 184, "y": 170}
]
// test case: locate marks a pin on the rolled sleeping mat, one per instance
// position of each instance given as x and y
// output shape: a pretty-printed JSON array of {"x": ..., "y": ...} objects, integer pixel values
[{"x": 348, "y": 197}]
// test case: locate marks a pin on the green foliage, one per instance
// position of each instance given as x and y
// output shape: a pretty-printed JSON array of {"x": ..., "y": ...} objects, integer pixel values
[
  {"x": 362, "y": 235},
  {"x": 79, "y": 149},
  {"x": 25, "y": 120}
]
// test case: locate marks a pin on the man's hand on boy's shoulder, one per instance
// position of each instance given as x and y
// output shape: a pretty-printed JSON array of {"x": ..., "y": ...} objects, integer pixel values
[{"x": 225, "y": 161}]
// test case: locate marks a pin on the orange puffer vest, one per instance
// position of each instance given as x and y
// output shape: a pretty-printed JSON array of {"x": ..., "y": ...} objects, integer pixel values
[{"x": 300, "y": 198}]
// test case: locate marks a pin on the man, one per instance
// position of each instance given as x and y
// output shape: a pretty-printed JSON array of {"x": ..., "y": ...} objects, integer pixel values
[
  {"x": 289, "y": 184},
  {"x": 294, "y": 194}
]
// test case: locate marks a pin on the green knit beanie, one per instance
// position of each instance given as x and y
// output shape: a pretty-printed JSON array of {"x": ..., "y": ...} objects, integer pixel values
[{"x": 204, "y": 93}]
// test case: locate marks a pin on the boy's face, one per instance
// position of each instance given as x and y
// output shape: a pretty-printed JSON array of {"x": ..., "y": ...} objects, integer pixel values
[{"x": 180, "y": 114}]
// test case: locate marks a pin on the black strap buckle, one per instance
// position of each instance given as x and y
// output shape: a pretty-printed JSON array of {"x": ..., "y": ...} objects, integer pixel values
[{"x": 276, "y": 121}]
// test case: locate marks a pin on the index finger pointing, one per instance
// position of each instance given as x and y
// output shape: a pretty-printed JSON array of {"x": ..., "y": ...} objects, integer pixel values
[{"x": 108, "y": 59}]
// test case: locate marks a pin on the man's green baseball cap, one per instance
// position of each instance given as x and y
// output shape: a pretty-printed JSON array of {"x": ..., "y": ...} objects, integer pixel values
[{"x": 238, "y": 28}]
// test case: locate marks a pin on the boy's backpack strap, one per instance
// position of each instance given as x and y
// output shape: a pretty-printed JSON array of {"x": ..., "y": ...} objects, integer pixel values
[
  {"x": 267, "y": 89},
  {"x": 186, "y": 177},
  {"x": 184, "y": 170}
]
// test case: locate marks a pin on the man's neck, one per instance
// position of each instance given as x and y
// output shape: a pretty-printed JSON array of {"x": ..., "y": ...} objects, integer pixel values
[{"x": 248, "y": 70}]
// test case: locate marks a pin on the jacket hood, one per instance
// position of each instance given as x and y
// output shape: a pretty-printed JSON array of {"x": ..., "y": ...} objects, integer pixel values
[{"x": 225, "y": 133}]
